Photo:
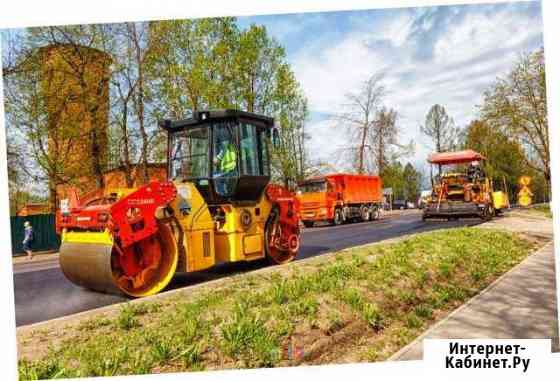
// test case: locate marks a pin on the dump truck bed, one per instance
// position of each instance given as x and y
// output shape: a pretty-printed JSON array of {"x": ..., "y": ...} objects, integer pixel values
[{"x": 358, "y": 189}]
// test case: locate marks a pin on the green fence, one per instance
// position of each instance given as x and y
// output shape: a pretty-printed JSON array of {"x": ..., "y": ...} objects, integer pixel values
[{"x": 44, "y": 233}]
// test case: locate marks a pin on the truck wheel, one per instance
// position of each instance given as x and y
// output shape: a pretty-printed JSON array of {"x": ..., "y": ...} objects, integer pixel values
[
  {"x": 375, "y": 214},
  {"x": 487, "y": 213},
  {"x": 337, "y": 217},
  {"x": 491, "y": 212},
  {"x": 308, "y": 224},
  {"x": 364, "y": 214}
]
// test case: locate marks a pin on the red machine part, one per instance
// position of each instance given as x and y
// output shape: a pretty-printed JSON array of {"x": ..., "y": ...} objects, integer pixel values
[
  {"x": 283, "y": 235},
  {"x": 133, "y": 216},
  {"x": 139, "y": 260},
  {"x": 89, "y": 212}
]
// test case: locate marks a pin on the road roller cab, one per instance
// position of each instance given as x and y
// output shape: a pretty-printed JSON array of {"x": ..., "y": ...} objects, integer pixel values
[{"x": 218, "y": 206}]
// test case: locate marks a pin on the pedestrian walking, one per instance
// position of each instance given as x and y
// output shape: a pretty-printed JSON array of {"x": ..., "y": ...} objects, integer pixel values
[{"x": 28, "y": 239}]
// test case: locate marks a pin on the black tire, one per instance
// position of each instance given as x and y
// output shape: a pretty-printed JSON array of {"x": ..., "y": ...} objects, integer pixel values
[
  {"x": 337, "y": 220},
  {"x": 364, "y": 214},
  {"x": 487, "y": 213},
  {"x": 308, "y": 224},
  {"x": 374, "y": 214},
  {"x": 491, "y": 213}
]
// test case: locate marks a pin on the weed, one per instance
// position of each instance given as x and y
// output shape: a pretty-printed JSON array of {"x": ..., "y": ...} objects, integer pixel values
[
  {"x": 353, "y": 298},
  {"x": 191, "y": 356},
  {"x": 423, "y": 311},
  {"x": 413, "y": 322},
  {"x": 335, "y": 322},
  {"x": 247, "y": 338},
  {"x": 92, "y": 324},
  {"x": 161, "y": 350},
  {"x": 279, "y": 292},
  {"x": 373, "y": 316},
  {"x": 127, "y": 318},
  {"x": 40, "y": 370},
  {"x": 307, "y": 306}
]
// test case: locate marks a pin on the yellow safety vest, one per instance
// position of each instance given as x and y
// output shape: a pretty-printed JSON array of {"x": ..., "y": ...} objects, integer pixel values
[{"x": 229, "y": 160}]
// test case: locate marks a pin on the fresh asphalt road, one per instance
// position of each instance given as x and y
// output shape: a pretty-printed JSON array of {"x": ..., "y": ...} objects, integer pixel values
[{"x": 42, "y": 292}]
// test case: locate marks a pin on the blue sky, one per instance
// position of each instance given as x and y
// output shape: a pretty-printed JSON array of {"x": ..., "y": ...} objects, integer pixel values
[{"x": 447, "y": 55}]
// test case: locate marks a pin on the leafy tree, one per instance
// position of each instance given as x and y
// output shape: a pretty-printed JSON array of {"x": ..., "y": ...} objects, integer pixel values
[
  {"x": 440, "y": 127},
  {"x": 393, "y": 178},
  {"x": 158, "y": 69},
  {"x": 54, "y": 93},
  {"x": 516, "y": 105},
  {"x": 412, "y": 180},
  {"x": 504, "y": 156},
  {"x": 191, "y": 65},
  {"x": 405, "y": 181},
  {"x": 210, "y": 63}
]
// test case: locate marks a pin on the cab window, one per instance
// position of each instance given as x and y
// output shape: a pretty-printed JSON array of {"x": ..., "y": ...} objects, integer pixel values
[
  {"x": 320, "y": 186},
  {"x": 249, "y": 150},
  {"x": 189, "y": 154}
]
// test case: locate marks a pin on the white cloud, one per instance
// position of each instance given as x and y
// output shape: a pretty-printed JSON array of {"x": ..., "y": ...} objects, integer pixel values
[{"x": 473, "y": 49}]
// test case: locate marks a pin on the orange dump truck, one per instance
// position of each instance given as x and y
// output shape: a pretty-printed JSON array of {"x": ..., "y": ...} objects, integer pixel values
[{"x": 338, "y": 198}]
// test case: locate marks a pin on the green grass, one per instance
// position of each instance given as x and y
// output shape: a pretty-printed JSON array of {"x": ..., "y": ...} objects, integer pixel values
[
  {"x": 543, "y": 209},
  {"x": 375, "y": 299}
]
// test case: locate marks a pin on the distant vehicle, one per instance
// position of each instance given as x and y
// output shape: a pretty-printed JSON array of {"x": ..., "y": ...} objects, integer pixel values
[
  {"x": 337, "y": 198},
  {"x": 400, "y": 204},
  {"x": 425, "y": 196},
  {"x": 464, "y": 191},
  {"x": 410, "y": 205}
]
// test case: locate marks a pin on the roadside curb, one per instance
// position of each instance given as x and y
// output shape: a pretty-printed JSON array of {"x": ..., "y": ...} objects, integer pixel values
[{"x": 494, "y": 284}]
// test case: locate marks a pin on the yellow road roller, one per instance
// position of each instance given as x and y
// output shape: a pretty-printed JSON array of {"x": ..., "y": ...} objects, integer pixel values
[{"x": 217, "y": 206}]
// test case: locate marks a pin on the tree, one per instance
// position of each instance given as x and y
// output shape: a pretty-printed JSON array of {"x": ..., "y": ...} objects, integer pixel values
[
  {"x": 373, "y": 129},
  {"x": 412, "y": 180},
  {"x": 384, "y": 139},
  {"x": 440, "y": 128},
  {"x": 290, "y": 157},
  {"x": 392, "y": 176},
  {"x": 159, "y": 70},
  {"x": 360, "y": 116},
  {"x": 191, "y": 65},
  {"x": 405, "y": 181},
  {"x": 516, "y": 105},
  {"x": 505, "y": 158},
  {"x": 210, "y": 63}
]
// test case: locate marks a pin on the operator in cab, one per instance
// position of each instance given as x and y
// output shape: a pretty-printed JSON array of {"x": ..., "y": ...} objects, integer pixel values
[
  {"x": 474, "y": 172},
  {"x": 226, "y": 164}
]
